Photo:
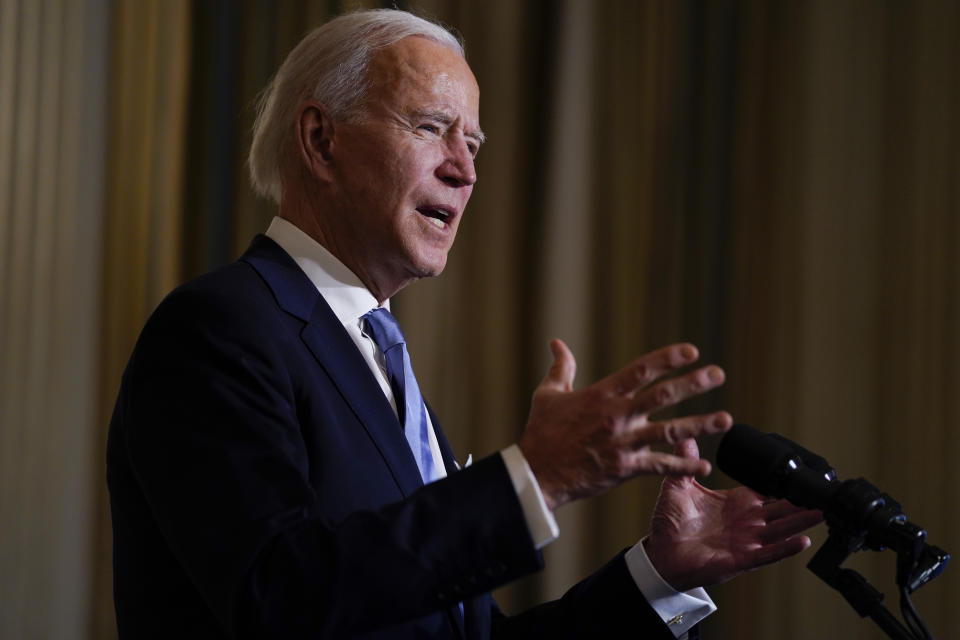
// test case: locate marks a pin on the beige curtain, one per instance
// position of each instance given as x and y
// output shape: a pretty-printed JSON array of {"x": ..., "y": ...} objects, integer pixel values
[
  {"x": 53, "y": 58},
  {"x": 778, "y": 182}
]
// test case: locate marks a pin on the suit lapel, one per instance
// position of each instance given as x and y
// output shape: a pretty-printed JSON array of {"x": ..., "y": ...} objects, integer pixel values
[
  {"x": 335, "y": 352},
  {"x": 338, "y": 355},
  {"x": 331, "y": 346}
]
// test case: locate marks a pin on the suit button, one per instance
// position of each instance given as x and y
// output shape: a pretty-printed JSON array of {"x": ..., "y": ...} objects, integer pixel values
[{"x": 457, "y": 590}]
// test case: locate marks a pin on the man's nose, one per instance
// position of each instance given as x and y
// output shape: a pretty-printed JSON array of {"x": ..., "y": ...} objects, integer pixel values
[{"x": 458, "y": 169}]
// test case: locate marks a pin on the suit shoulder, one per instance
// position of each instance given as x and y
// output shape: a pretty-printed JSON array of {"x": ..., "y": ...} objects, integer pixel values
[
  {"x": 231, "y": 305},
  {"x": 236, "y": 283},
  {"x": 229, "y": 294}
]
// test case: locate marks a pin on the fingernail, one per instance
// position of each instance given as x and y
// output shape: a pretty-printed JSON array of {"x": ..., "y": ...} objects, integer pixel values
[
  {"x": 688, "y": 352},
  {"x": 716, "y": 374}
]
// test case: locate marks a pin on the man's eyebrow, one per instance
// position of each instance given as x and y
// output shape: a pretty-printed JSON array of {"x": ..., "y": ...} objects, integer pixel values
[
  {"x": 477, "y": 135},
  {"x": 446, "y": 119}
]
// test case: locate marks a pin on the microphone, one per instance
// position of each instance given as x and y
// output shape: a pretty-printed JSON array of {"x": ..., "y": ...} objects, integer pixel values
[{"x": 775, "y": 466}]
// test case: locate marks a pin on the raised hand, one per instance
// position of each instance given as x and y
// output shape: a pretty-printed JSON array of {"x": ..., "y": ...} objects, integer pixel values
[
  {"x": 583, "y": 442},
  {"x": 701, "y": 537}
]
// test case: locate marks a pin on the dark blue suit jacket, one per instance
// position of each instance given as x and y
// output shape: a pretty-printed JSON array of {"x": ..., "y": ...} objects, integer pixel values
[{"x": 261, "y": 487}]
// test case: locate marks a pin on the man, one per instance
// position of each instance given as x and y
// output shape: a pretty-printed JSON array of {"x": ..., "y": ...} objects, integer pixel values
[{"x": 273, "y": 471}]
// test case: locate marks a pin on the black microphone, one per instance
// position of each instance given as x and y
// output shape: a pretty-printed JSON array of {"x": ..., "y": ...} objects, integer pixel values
[{"x": 775, "y": 466}]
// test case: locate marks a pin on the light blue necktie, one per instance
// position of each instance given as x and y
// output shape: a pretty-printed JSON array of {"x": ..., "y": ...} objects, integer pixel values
[
  {"x": 385, "y": 331},
  {"x": 383, "y": 328}
]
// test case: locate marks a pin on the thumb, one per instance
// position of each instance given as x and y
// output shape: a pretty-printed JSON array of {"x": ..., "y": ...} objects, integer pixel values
[{"x": 563, "y": 369}]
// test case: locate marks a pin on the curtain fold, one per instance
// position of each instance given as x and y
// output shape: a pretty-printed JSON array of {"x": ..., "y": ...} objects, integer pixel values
[
  {"x": 53, "y": 60},
  {"x": 148, "y": 103}
]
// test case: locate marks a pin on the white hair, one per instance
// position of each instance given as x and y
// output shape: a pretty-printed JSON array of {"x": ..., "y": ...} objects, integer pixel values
[{"x": 329, "y": 65}]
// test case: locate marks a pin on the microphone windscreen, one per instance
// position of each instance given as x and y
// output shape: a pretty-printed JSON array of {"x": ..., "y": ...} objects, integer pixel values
[{"x": 754, "y": 458}]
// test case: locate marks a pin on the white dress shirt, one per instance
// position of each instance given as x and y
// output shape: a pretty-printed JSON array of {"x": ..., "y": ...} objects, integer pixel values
[{"x": 349, "y": 300}]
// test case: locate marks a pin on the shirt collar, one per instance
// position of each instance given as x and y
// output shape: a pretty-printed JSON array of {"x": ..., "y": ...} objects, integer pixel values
[{"x": 340, "y": 287}]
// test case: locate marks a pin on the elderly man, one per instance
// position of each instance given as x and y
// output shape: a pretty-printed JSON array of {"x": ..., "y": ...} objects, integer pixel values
[{"x": 273, "y": 469}]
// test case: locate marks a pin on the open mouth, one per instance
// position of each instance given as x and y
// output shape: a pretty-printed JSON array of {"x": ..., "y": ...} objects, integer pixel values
[{"x": 438, "y": 216}]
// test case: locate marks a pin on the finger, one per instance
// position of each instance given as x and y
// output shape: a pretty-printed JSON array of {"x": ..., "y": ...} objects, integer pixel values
[
  {"x": 648, "y": 462},
  {"x": 670, "y": 392},
  {"x": 781, "y": 509},
  {"x": 649, "y": 367},
  {"x": 790, "y": 526},
  {"x": 677, "y": 430},
  {"x": 768, "y": 554},
  {"x": 563, "y": 369},
  {"x": 687, "y": 448}
]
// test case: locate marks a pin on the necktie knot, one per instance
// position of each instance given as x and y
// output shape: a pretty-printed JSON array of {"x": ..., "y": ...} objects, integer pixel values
[{"x": 383, "y": 328}]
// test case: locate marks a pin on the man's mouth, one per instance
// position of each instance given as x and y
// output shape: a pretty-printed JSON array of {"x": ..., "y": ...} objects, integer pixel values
[{"x": 438, "y": 216}]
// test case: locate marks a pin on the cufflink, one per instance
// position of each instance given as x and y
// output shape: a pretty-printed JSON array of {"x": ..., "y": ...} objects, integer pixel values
[{"x": 677, "y": 619}]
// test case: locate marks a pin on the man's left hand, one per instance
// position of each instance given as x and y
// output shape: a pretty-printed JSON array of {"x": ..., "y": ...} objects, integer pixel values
[{"x": 702, "y": 537}]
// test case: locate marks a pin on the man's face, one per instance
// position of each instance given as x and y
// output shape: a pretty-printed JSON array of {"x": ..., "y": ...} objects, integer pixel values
[{"x": 402, "y": 174}]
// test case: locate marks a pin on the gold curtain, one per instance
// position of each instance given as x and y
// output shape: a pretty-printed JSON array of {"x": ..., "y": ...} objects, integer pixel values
[
  {"x": 143, "y": 244},
  {"x": 778, "y": 182}
]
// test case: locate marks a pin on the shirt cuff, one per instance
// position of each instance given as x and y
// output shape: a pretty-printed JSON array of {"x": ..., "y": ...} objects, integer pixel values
[
  {"x": 540, "y": 521},
  {"x": 679, "y": 611}
]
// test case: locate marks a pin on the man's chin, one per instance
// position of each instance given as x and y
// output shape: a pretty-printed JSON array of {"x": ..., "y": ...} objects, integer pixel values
[
  {"x": 414, "y": 270},
  {"x": 431, "y": 269},
  {"x": 429, "y": 262}
]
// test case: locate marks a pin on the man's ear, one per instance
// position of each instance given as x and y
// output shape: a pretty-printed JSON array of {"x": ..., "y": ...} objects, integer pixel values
[{"x": 315, "y": 139}]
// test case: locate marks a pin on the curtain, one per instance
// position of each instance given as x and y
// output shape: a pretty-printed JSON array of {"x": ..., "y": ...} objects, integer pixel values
[
  {"x": 777, "y": 182},
  {"x": 53, "y": 59}
]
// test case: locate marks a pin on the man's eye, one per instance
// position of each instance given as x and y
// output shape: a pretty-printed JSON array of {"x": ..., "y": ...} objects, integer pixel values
[
  {"x": 429, "y": 128},
  {"x": 472, "y": 148}
]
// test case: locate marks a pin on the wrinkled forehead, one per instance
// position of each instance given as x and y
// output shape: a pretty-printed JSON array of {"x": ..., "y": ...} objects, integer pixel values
[{"x": 417, "y": 67}]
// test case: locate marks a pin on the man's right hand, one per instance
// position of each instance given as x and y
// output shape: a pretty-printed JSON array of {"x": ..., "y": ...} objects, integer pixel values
[{"x": 582, "y": 443}]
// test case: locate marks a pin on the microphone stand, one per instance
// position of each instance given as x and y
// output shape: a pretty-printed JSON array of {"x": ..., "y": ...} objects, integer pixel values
[
  {"x": 861, "y": 595},
  {"x": 880, "y": 524}
]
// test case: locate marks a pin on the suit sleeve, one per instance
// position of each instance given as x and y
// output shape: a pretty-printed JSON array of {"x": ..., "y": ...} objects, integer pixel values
[
  {"x": 607, "y": 604},
  {"x": 207, "y": 432}
]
